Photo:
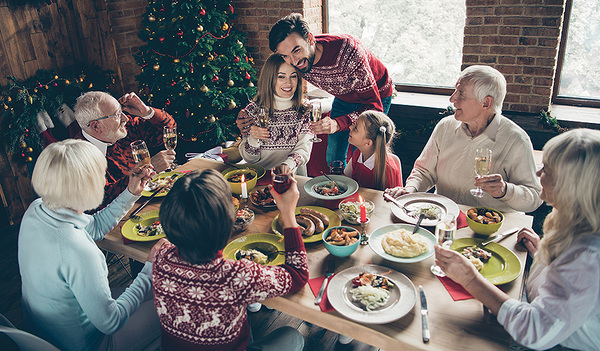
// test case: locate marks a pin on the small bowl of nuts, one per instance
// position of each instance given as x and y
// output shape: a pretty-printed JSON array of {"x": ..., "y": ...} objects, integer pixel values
[
  {"x": 341, "y": 241},
  {"x": 484, "y": 220},
  {"x": 243, "y": 218}
]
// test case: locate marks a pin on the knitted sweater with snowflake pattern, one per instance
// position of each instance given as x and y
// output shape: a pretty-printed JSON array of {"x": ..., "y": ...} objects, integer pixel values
[{"x": 203, "y": 307}]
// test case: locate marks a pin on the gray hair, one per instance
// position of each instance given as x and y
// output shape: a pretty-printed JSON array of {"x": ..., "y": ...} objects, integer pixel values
[
  {"x": 88, "y": 109},
  {"x": 70, "y": 174},
  {"x": 487, "y": 81}
]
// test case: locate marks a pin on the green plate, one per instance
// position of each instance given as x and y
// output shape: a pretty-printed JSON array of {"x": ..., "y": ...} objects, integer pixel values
[
  {"x": 503, "y": 267},
  {"x": 263, "y": 242},
  {"x": 130, "y": 232},
  {"x": 148, "y": 191},
  {"x": 334, "y": 221},
  {"x": 260, "y": 171}
]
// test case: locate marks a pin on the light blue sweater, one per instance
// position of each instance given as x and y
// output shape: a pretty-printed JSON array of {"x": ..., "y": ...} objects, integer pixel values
[{"x": 66, "y": 297}]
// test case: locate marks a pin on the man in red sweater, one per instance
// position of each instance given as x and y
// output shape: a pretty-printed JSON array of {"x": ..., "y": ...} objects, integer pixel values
[
  {"x": 104, "y": 123},
  {"x": 340, "y": 65}
]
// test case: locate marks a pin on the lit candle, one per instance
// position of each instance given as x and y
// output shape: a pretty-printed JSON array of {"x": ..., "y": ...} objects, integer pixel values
[
  {"x": 244, "y": 188},
  {"x": 363, "y": 210}
]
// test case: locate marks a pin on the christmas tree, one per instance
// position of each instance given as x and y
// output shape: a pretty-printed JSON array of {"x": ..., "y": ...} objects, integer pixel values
[{"x": 195, "y": 67}]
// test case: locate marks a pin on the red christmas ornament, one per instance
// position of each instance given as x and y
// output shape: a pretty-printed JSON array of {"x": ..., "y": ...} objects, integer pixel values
[
  {"x": 187, "y": 113},
  {"x": 236, "y": 59},
  {"x": 215, "y": 79},
  {"x": 230, "y": 8},
  {"x": 168, "y": 102},
  {"x": 191, "y": 68},
  {"x": 202, "y": 12},
  {"x": 180, "y": 33},
  {"x": 246, "y": 57},
  {"x": 173, "y": 83},
  {"x": 161, "y": 39},
  {"x": 146, "y": 90},
  {"x": 247, "y": 76}
]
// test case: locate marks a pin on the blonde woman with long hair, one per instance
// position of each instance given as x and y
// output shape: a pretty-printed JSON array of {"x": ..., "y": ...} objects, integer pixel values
[
  {"x": 285, "y": 139},
  {"x": 563, "y": 288}
]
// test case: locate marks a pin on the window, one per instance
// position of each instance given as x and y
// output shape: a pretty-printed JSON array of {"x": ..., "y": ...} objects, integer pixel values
[
  {"x": 579, "y": 71},
  {"x": 420, "y": 42}
]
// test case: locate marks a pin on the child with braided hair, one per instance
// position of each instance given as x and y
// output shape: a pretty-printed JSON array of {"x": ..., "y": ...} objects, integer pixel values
[{"x": 373, "y": 165}]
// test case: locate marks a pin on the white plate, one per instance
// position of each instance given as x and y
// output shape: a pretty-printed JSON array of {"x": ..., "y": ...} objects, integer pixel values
[
  {"x": 401, "y": 300},
  {"x": 377, "y": 235},
  {"x": 415, "y": 199},
  {"x": 350, "y": 184}
]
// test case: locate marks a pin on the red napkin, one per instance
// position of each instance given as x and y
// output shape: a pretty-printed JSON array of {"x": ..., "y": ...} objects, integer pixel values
[
  {"x": 315, "y": 286},
  {"x": 456, "y": 291},
  {"x": 125, "y": 240},
  {"x": 461, "y": 221}
]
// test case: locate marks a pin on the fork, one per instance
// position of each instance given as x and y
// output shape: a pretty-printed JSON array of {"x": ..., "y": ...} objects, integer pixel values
[{"x": 331, "y": 180}]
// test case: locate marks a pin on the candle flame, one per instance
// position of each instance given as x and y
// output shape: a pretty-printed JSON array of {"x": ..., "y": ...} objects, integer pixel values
[
  {"x": 360, "y": 198},
  {"x": 243, "y": 179}
]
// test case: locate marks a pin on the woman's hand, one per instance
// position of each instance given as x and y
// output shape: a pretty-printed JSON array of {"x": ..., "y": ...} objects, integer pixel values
[
  {"x": 139, "y": 177},
  {"x": 154, "y": 250},
  {"x": 530, "y": 239},
  {"x": 456, "y": 266},
  {"x": 260, "y": 133},
  {"x": 492, "y": 184},
  {"x": 398, "y": 191},
  {"x": 244, "y": 122},
  {"x": 286, "y": 203}
]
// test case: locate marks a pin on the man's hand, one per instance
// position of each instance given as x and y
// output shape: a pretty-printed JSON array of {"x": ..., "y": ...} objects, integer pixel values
[
  {"x": 244, "y": 122},
  {"x": 134, "y": 106},
  {"x": 163, "y": 160},
  {"x": 326, "y": 125},
  {"x": 492, "y": 184},
  {"x": 139, "y": 177},
  {"x": 398, "y": 191}
]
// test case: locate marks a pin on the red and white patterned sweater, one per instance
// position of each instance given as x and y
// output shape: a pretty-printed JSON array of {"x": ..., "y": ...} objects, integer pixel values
[
  {"x": 350, "y": 72},
  {"x": 203, "y": 307},
  {"x": 118, "y": 156}
]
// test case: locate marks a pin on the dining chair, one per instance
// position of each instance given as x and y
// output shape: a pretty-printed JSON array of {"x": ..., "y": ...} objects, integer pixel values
[{"x": 25, "y": 341}]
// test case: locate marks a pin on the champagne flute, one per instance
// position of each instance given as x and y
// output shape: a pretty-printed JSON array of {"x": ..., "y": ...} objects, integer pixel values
[
  {"x": 315, "y": 116},
  {"x": 140, "y": 152},
  {"x": 170, "y": 140},
  {"x": 262, "y": 119},
  {"x": 483, "y": 163},
  {"x": 444, "y": 234}
]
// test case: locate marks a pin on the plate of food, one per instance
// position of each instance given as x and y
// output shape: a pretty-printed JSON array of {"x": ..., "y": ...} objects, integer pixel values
[
  {"x": 324, "y": 189},
  {"x": 263, "y": 248},
  {"x": 371, "y": 294},
  {"x": 495, "y": 262},
  {"x": 396, "y": 243},
  {"x": 146, "y": 228},
  {"x": 166, "y": 179},
  {"x": 260, "y": 171},
  {"x": 433, "y": 206},
  {"x": 313, "y": 220},
  {"x": 262, "y": 199}
]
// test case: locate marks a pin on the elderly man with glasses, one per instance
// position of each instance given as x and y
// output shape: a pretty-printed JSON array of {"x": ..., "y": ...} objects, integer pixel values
[{"x": 112, "y": 124}]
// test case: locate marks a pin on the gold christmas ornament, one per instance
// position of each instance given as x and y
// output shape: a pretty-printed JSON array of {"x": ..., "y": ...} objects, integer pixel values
[
  {"x": 156, "y": 67},
  {"x": 176, "y": 60},
  {"x": 210, "y": 57},
  {"x": 225, "y": 26},
  {"x": 28, "y": 159},
  {"x": 204, "y": 89},
  {"x": 211, "y": 119},
  {"x": 231, "y": 105},
  {"x": 29, "y": 150},
  {"x": 251, "y": 84},
  {"x": 194, "y": 139},
  {"x": 187, "y": 87},
  {"x": 230, "y": 83},
  {"x": 23, "y": 145},
  {"x": 200, "y": 28},
  {"x": 151, "y": 18}
]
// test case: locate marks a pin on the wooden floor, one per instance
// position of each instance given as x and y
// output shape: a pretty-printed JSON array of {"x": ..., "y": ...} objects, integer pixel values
[{"x": 262, "y": 322}]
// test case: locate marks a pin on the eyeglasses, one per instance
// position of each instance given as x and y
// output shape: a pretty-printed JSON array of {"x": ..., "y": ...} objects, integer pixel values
[{"x": 117, "y": 116}]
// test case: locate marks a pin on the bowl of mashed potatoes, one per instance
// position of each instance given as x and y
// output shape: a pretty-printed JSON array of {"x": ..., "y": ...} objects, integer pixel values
[{"x": 397, "y": 243}]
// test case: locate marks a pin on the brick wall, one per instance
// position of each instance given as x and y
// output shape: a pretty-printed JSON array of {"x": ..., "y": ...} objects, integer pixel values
[{"x": 520, "y": 39}]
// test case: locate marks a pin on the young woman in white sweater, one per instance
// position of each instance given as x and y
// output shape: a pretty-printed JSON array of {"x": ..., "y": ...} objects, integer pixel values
[{"x": 286, "y": 139}]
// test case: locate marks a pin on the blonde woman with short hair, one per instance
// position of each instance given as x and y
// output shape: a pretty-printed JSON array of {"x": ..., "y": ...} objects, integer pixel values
[
  {"x": 563, "y": 288},
  {"x": 66, "y": 297}
]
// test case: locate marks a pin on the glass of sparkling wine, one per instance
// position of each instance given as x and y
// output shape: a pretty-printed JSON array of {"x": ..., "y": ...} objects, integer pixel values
[
  {"x": 262, "y": 118},
  {"x": 140, "y": 152},
  {"x": 483, "y": 163},
  {"x": 315, "y": 116},
  {"x": 444, "y": 234},
  {"x": 170, "y": 140}
]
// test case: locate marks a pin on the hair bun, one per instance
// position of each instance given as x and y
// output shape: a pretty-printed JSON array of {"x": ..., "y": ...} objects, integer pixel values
[{"x": 383, "y": 129}]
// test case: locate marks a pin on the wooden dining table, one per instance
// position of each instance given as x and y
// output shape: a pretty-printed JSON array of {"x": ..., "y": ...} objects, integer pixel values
[{"x": 454, "y": 325}]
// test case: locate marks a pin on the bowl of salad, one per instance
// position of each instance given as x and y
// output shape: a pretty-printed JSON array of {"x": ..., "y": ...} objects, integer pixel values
[
  {"x": 350, "y": 209},
  {"x": 338, "y": 188}
]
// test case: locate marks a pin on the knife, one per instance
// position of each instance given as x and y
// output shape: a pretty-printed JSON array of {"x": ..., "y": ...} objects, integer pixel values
[
  {"x": 426, "y": 335},
  {"x": 421, "y": 216},
  {"x": 497, "y": 238},
  {"x": 140, "y": 207},
  {"x": 328, "y": 274}
]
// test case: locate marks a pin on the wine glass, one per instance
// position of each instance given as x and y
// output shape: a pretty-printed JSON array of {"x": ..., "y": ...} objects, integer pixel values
[
  {"x": 262, "y": 119},
  {"x": 170, "y": 140},
  {"x": 315, "y": 116},
  {"x": 444, "y": 234},
  {"x": 483, "y": 163},
  {"x": 140, "y": 152}
]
